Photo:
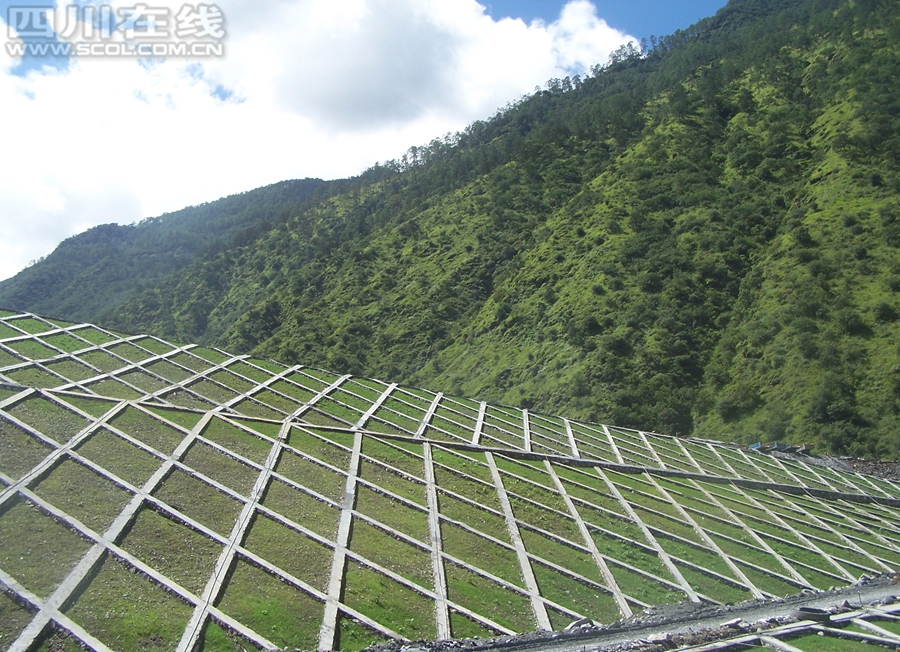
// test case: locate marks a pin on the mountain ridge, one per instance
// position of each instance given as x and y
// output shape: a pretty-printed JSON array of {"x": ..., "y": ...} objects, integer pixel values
[{"x": 700, "y": 238}]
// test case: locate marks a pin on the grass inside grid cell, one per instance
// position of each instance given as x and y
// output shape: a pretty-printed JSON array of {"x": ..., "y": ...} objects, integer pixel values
[
  {"x": 816, "y": 643},
  {"x": 306, "y": 381},
  {"x": 480, "y": 519},
  {"x": 314, "y": 476},
  {"x": 630, "y": 553},
  {"x": 392, "y": 553},
  {"x": 119, "y": 456},
  {"x": 353, "y": 635},
  {"x": 367, "y": 392},
  {"x": 127, "y": 611},
  {"x": 199, "y": 501},
  {"x": 192, "y": 362},
  {"x": 544, "y": 519},
  {"x": 292, "y": 390},
  {"x": 173, "y": 549},
  {"x": 546, "y": 496},
  {"x": 713, "y": 587},
  {"x": 71, "y": 370},
  {"x": 402, "y": 425},
  {"x": 350, "y": 399},
  {"x": 249, "y": 371},
  {"x": 580, "y": 597},
  {"x": 646, "y": 589},
  {"x": 130, "y": 352},
  {"x": 216, "y": 638},
  {"x": 252, "y": 408},
  {"x": 92, "y": 405},
  {"x": 315, "y": 418},
  {"x": 6, "y": 392},
  {"x": 83, "y": 494},
  {"x": 302, "y": 508},
  {"x": 277, "y": 401},
  {"x": 270, "y": 429},
  {"x": 487, "y": 598},
  {"x": 212, "y": 391},
  {"x": 152, "y": 431},
  {"x": 473, "y": 464},
  {"x": 286, "y": 615},
  {"x": 326, "y": 377},
  {"x": 482, "y": 553},
  {"x": 113, "y": 388},
  {"x": 209, "y": 355},
  {"x": 577, "y": 560},
  {"x": 235, "y": 439},
  {"x": 323, "y": 449},
  {"x": 222, "y": 468},
  {"x": 155, "y": 346},
  {"x": 31, "y": 325},
  {"x": 143, "y": 381},
  {"x": 667, "y": 524},
  {"x": 36, "y": 549},
  {"x": 229, "y": 379},
  {"x": 406, "y": 611},
  {"x": 102, "y": 360},
  {"x": 392, "y": 455},
  {"x": 184, "y": 399},
  {"x": 34, "y": 376},
  {"x": 171, "y": 372},
  {"x": 7, "y": 331},
  {"x": 19, "y": 451},
  {"x": 65, "y": 342},
  {"x": 294, "y": 552},
  {"x": 528, "y": 469},
  {"x": 8, "y": 360},
  {"x": 453, "y": 427},
  {"x": 271, "y": 366},
  {"x": 94, "y": 335},
  {"x": 464, "y": 627},
  {"x": 392, "y": 513},
  {"x": 506, "y": 439},
  {"x": 49, "y": 418},
  {"x": 14, "y": 618},
  {"x": 621, "y": 525},
  {"x": 768, "y": 583}
]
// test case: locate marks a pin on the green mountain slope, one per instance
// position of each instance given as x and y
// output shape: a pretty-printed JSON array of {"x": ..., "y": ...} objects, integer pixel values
[
  {"x": 700, "y": 240},
  {"x": 91, "y": 273}
]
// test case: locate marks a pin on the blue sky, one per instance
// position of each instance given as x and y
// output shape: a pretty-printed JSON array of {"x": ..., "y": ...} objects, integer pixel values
[
  {"x": 640, "y": 18},
  {"x": 304, "y": 88}
]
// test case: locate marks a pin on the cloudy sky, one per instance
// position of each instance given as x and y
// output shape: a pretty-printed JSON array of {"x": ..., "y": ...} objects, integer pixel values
[{"x": 304, "y": 88}]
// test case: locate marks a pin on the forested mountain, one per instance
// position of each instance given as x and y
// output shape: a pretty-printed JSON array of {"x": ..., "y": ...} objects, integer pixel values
[
  {"x": 701, "y": 237},
  {"x": 94, "y": 272}
]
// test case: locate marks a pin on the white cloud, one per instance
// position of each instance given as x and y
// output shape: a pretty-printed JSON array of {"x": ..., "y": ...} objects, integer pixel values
[{"x": 318, "y": 89}]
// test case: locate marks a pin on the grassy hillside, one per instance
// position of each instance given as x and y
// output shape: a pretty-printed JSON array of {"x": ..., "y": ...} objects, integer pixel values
[{"x": 699, "y": 239}]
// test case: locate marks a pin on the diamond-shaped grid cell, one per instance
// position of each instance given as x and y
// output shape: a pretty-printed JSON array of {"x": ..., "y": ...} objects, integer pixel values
[
  {"x": 14, "y": 617},
  {"x": 286, "y": 615},
  {"x": 300, "y": 507},
  {"x": 148, "y": 429},
  {"x": 128, "y": 611},
  {"x": 19, "y": 450},
  {"x": 82, "y": 493},
  {"x": 119, "y": 456},
  {"x": 477, "y": 593},
  {"x": 311, "y": 474},
  {"x": 72, "y": 370},
  {"x": 385, "y": 601},
  {"x": 294, "y": 552},
  {"x": 37, "y": 550},
  {"x": 49, "y": 418},
  {"x": 172, "y": 548},
  {"x": 222, "y": 468},
  {"x": 199, "y": 501}
]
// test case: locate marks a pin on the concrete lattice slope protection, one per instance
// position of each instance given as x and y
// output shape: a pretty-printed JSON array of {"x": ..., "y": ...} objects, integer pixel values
[{"x": 164, "y": 497}]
